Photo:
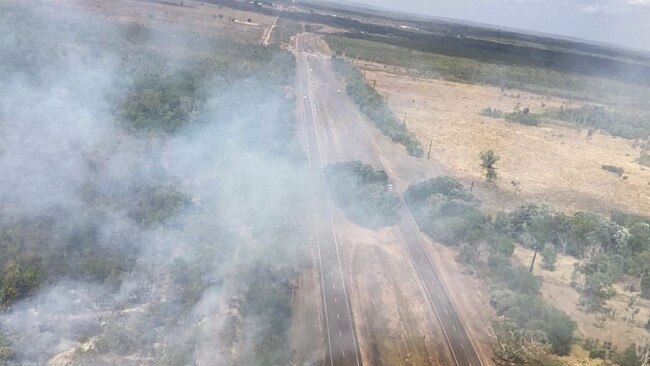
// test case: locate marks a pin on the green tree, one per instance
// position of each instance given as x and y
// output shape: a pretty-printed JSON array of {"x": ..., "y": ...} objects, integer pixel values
[
  {"x": 597, "y": 277},
  {"x": 488, "y": 159},
  {"x": 633, "y": 355},
  {"x": 549, "y": 257}
]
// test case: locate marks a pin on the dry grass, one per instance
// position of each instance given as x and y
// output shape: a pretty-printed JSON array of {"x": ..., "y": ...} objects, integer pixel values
[
  {"x": 195, "y": 15},
  {"x": 551, "y": 163}
]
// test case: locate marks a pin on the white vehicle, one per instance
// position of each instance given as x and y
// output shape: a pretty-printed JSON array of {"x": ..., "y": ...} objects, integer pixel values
[{"x": 339, "y": 91}]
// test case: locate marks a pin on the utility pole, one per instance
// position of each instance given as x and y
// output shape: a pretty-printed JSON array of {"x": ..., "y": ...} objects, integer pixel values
[
  {"x": 404, "y": 122},
  {"x": 429, "y": 155},
  {"x": 374, "y": 82},
  {"x": 387, "y": 95},
  {"x": 534, "y": 256},
  {"x": 471, "y": 187}
]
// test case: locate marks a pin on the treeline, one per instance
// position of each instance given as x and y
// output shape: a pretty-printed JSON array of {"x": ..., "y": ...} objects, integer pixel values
[
  {"x": 373, "y": 105},
  {"x": 523, "y": 117},
  {"x": 537, "y": 80},
  {"x": 448, "y": 213},
  {"x": 629, "y": 126},
  {"x": 458, "y": 41},
  {"x": 363, "y": 193}
]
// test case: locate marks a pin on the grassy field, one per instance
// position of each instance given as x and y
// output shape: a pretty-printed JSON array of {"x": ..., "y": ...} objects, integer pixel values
[
  {"x": 284, "y": 30},
  {"x": 553, "y": 163},
  {"x": 536, "y": 80},
  {"x": 198, "y": 16}
]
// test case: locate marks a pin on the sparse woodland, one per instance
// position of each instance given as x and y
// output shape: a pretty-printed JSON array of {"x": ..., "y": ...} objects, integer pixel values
[
  {"x": 608, "y": 247},
  {"x": 153, "y": 164}
]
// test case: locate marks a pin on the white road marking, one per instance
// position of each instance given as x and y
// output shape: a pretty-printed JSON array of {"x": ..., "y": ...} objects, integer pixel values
[
  {"x": 336, "y": 300},
  {"x": 340, "y": 334},
  {"x": 338, "y": 316}
]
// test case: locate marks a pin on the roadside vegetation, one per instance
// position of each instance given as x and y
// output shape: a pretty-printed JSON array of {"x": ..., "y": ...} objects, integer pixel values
[
  {"x": 373, "y": 105},
  {"x": 364, "y": 194},
  {"x": 609, "y": 249},
  {"x": 451, "y": 215}
]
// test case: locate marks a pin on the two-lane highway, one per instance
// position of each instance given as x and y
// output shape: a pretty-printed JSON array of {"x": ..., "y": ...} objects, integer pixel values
[
  {"x": 341, "y": 340},
  {"x": 458, "y": 340}
]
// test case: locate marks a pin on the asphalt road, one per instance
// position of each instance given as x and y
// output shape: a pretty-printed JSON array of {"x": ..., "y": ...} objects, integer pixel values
[
  {"x": 342, "y": 346},
  {"x": 341, "y": 118}
]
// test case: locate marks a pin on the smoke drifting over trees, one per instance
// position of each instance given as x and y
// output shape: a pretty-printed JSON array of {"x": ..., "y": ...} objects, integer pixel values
[{"x": 150, "y": 193}]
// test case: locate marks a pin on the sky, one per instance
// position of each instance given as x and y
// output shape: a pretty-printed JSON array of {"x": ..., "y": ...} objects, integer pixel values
[{"x": 619, "y": 22}]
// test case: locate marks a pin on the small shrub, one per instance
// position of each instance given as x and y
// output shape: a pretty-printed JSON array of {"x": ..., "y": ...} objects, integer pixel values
[
  {"x": 491, "y": 112},
  {"x": 644, "y": 159},
  {"x": 522, "y": 117},
  {"x": 614, "y": 169}
]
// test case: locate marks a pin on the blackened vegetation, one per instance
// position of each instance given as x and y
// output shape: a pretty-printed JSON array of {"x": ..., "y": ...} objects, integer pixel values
[
  {"x": 364, "y": 194},
  {"x": 373, "y": 105}
]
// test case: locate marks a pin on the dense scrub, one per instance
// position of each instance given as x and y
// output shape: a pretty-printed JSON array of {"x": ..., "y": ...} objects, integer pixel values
[
  {"x": 364, "y": 194},
  {"x": 374, "y": 107}
]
